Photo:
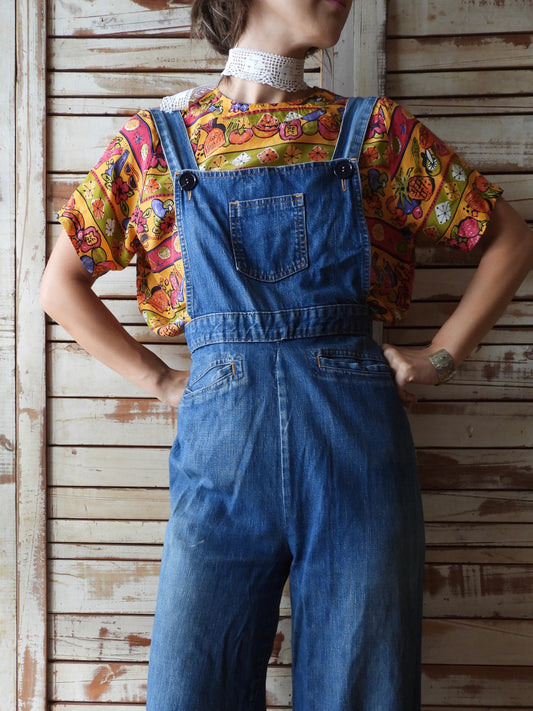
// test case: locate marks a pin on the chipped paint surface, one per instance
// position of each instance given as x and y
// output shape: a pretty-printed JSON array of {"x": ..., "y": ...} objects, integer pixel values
[{"x": 102, "y": 680}]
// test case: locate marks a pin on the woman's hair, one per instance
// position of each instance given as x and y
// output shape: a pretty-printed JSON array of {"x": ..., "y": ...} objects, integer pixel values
[{"x": 220, "y": 22}]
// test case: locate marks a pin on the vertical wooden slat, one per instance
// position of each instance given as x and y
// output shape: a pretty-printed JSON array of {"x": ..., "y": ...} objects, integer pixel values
[
  {"x": 8, "y": 555},
  {"x": 358, "y": 62},
  {"x": 30, "y": 349}
]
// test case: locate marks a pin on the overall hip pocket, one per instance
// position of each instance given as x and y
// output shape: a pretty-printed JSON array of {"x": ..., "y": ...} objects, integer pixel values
[{"x": 269, "y": 237}]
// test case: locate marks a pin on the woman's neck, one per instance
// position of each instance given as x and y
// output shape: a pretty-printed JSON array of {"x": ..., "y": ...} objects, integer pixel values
[{"x": 251, "y": 92}]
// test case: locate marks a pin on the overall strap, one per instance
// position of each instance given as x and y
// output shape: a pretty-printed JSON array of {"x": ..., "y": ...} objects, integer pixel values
[
  {"x": 354, "y": 126},
  {"x": 174, "y": 140}
]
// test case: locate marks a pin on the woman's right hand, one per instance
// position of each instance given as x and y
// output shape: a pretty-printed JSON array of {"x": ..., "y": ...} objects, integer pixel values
[{"x": 171, "y": 386}]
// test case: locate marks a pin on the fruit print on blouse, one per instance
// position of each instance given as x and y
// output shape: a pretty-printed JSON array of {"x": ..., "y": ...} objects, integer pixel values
[{"x": 414, "y": 186}]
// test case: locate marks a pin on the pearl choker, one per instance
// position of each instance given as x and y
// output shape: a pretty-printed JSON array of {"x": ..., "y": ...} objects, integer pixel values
[{"x": 286, "y": 73}]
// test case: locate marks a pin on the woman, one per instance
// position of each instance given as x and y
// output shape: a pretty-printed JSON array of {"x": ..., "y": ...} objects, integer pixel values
[{"x": 287, "y": 230}]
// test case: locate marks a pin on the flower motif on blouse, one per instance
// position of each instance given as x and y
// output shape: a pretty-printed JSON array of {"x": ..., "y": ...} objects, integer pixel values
[
  {"x": 120, "y": 189},
  {"x": 88, "y": 189},
  {"x": 317, "y": 154},
  {"x": 110, "y": 227},
  {"x": 292, "y": 154},
  {"x": 152, "y": 186},
  {"x": 139, "y": 219},
  {"x": 98, "y": 208}
]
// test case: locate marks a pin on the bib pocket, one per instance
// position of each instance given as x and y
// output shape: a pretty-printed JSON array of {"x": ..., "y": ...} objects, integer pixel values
[{"x": 269, "y": 236}]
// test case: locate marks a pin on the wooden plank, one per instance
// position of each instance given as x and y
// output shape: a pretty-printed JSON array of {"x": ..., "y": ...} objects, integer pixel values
[
  {"x": 109, "y": 503},
  {"x": 492, "y": 556},
  {"x": 458, "y": 83},
  {"x": 125, "y": 466},
  {"x": 478, "y": 591},
  {"x": 485, "y": 424},
  {"x": 462, "y": 17},
  {"x": 483, "y": 506},
  {"x": 356, "y": 65},
  {"x": 489, "y": 686},
  {"x": 423, "y": 54},
  {"x": 74, "y": 373},
  {"x": 503, "y": 469},
  {"x": 107, "y": 587},
  {"x": 79, "y": 421},
  {"x": 519, "y": 314},
  {"x": 125, "y": 17},
  {"x": 8, "y": 547},
  {"x": 123, "y": 682},
  {"x": 497, "y": 144},
  {"x": 423, "y": 336},
  {"x": 116, "y": 532},
  {"x": 95, "y": 551},
  {"x": 461, "y": 105},
  {"x": 31, "y": 476}
]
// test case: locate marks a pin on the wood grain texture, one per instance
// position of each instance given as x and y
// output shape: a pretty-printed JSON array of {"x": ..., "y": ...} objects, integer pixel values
[
  {"x": 8, "y": 546},
  {"x": 30, "y": 374},
  {"x": 460, "y": 17}
]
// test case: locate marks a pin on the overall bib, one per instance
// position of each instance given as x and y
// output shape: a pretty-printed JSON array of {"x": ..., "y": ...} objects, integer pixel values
[{"x": 293, "y": 452}]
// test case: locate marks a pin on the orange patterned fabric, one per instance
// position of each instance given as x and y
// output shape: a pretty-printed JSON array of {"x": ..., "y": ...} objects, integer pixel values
[{"x": 412, "y": 183}]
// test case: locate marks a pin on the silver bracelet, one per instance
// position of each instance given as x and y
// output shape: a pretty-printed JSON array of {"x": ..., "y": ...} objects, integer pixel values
[{"x": 443, "y": 364}]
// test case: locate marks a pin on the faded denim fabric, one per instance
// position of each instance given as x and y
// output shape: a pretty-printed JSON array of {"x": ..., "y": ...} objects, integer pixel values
[{"x": 293, "y": 453}]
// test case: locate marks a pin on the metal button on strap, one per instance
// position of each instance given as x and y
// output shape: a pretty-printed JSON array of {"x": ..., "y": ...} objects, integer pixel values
[{"x": 187, "y": 180}]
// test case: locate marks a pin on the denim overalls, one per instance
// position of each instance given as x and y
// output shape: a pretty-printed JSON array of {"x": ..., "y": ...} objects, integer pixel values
[{"x": 293, "y": 452}]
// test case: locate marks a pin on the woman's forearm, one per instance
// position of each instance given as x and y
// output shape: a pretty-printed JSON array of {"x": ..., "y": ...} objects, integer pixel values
[
  {"x": 505, "y": 263},
  {"x": 507, "y": 258},
  {"x": 67, "y": 296}
]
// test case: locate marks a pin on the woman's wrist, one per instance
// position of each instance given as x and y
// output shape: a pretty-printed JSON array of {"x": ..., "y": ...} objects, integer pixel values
[{"x": 444, "y": 365}]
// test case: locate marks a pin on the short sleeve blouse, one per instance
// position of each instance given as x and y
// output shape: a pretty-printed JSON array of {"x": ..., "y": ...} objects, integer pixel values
[{"x": 412, "y": 182}]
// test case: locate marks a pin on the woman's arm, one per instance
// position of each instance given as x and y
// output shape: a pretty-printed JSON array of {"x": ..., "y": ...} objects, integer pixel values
[
  {"x": 67, "y": 296},
  {"x": 507, "y": 259}
]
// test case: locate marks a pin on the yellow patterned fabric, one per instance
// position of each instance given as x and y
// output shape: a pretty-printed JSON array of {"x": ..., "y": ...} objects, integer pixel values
[{"x": 412, "y": 183}]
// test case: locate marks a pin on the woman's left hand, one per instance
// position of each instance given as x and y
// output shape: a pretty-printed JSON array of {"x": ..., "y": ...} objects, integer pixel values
[{"x": 410, "y": 366}]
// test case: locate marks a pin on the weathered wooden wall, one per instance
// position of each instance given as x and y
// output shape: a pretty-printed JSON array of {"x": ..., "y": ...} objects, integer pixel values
[
  {"x": 107, "y": 443},
  {"x": 466, "y": 68}
]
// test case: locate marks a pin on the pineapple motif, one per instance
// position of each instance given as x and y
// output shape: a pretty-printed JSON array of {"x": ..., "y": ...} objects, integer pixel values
[{"x": 420, "y": 187}]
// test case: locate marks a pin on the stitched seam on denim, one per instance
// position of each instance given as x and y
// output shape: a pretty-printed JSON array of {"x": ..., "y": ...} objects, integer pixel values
[{"x": 282, "y": 420}]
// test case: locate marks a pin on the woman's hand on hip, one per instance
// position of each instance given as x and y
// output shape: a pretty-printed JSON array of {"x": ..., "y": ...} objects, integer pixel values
[
  {"x": 410, "y": 366},
  {"x": 170, "y": 386}
]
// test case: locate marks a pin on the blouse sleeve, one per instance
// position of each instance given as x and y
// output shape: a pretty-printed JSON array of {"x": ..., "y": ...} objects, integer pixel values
[
  {"x": 419, "y": 185},
  {"x": 103, "y": 216}
]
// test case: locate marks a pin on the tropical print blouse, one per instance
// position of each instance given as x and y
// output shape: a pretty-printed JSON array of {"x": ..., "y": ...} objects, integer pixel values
[{"x": 412, "y": 184}]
